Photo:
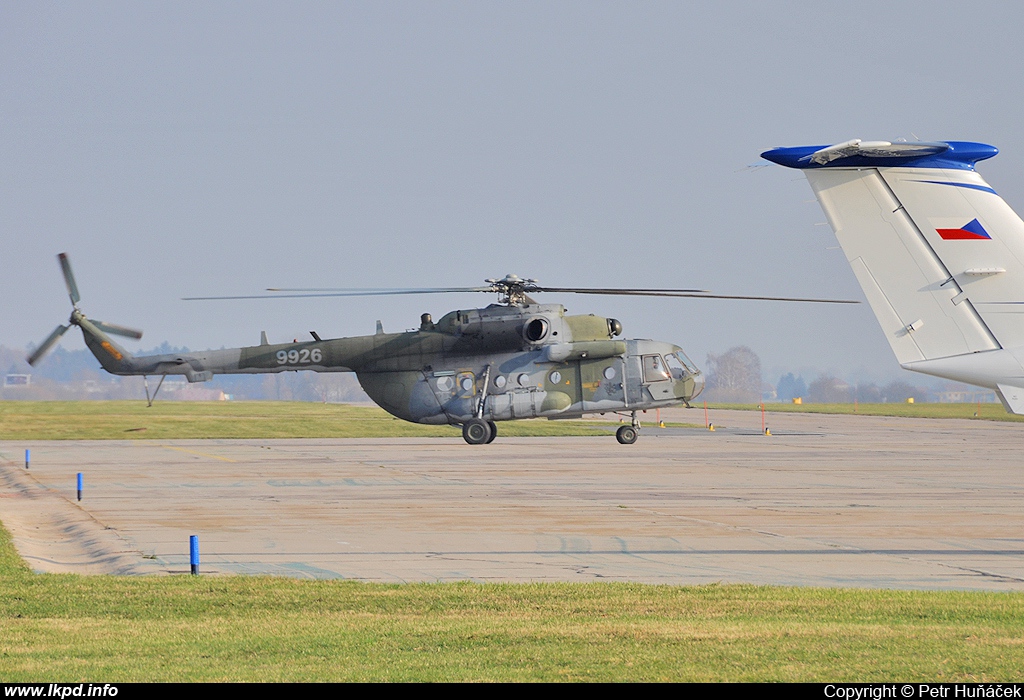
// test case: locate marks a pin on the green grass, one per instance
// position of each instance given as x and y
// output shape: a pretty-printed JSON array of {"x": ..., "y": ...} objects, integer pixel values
[
  {"x": 133, "y": 420},
  {"x": 127, "y": 420},
  {"x": 108, "y": 629},
  {"x": 989, "y": 411}
]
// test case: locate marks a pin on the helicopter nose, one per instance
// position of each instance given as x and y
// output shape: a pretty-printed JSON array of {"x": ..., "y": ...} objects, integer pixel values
[{"x": 698, "y": 385}]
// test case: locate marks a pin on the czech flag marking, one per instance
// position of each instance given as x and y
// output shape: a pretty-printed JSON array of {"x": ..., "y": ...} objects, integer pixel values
[{"x": 968, "y": 232}]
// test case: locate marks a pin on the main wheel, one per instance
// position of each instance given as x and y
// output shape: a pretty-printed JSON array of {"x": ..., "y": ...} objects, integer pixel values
[
  {"x": 494, "y": 431},
  {"x": 626, "y": 434},
  {"x": 476, "y": 432}
]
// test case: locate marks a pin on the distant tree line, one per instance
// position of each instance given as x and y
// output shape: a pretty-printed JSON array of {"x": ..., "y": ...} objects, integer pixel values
[
  {"x": 829, "y": 389},
  {"x": 734, "y": 376}
]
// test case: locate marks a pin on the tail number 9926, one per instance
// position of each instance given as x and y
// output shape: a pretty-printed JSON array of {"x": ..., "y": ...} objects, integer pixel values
[{"x": 304, "y": 356}]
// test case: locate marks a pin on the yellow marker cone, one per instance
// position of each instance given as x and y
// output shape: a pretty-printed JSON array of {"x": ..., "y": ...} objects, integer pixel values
[
  {"x": 767, "y": 431},
  {"x": 711, "y": 427}
]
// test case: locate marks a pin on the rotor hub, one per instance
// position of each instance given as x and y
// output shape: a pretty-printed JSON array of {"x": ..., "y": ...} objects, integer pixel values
[{"x": 513, "y": 289}]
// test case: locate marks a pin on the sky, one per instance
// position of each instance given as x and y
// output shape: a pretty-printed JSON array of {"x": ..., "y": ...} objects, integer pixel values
[{"x": 179, "y": 149}]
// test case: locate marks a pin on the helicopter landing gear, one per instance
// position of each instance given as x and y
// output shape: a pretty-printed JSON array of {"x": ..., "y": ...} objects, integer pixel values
[
  {"x": 494, "y": 431},
  {"x": 628, "y": 434},
  {"x": 477, "y": 432}
]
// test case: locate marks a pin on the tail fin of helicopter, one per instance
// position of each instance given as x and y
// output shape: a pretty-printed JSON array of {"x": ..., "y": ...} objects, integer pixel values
[
  {"x": 114, "y": 358},
  {"x": 939, "y": 255}
]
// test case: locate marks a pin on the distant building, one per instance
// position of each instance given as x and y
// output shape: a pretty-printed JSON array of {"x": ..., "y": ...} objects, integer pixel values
[
  {"x": 17, "y": 380},
  {"x": 966, "y": 396},
  {"x": 198, "y": 393}
]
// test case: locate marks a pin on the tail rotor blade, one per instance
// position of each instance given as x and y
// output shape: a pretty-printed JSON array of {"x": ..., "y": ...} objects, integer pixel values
[
  {"x": 50, "y": 341},
  {"x": 116, "y": 329},
  {"x": 69, "y": 278}
]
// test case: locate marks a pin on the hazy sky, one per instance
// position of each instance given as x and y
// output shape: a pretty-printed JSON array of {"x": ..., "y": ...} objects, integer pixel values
[{"x": 178, "y": 149}]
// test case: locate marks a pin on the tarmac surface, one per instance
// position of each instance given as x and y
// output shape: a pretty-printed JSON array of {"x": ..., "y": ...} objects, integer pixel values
[{"x": 837, "y": 501}]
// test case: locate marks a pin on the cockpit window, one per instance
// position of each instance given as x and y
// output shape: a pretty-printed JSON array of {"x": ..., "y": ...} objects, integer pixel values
[
  {"x": 654, "y": 369},
  {"x": 685, "y": 361},
  {"x": 676, "y": 367}
]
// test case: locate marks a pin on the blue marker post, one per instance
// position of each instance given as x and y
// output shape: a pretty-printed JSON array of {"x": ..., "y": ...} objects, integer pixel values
[
  {"x": 79, "y": 485},
  {"x": 193, "y": 553},
  {"x": 26, "y": 457}
]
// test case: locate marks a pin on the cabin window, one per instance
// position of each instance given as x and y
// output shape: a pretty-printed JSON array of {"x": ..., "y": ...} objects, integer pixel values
[{"x": 654, "y": 369}]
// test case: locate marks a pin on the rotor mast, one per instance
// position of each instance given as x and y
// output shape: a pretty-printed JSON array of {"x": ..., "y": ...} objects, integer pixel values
[{"x": 513, "y": 289}]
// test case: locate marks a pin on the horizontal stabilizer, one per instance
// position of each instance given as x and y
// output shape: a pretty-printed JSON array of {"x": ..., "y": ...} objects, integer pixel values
[
  {"x": 957, "y": 155},
  {"x": 876, "y": 149},
  {"x": 193, "y": 376}
]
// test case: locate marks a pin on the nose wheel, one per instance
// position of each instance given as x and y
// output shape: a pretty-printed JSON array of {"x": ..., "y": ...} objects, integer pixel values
[
  {"x": 478, "y": 432},
  {"x": 628, "y": 434}
]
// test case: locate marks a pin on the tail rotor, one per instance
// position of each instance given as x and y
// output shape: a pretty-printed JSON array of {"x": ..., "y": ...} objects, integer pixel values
[
  {"x": 47, "y": 345},
  {"x": 69, "y": 279},
  {"x": 114, "y": 329},
  {"x": 76, "y": 317}
]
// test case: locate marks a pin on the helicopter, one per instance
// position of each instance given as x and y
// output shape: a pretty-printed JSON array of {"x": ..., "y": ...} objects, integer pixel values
[{"x": 510, "y": 360}]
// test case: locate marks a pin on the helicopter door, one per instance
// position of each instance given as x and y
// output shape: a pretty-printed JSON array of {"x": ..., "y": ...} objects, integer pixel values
[{"x": 656, "y": 377}]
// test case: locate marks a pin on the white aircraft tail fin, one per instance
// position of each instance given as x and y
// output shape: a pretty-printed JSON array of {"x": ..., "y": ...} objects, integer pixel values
[{"x": 939, "y": 255}]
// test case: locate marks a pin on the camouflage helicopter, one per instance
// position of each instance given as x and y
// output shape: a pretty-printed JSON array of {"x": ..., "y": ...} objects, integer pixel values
[{"x": 510, "y": 360}]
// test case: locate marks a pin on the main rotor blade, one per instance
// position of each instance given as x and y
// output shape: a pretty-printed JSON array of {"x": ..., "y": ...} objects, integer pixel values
[
  {"x": 312, "y": 292},
  {"x": 617, "y": 291},
  {"x": 690, "y": 293},
  {"x": 50, "y": 341},
  {"x": 381, "y": 290},
  {"x": 117, "y": 330},
  {"x": 529, "y": 288},
  {"x": 69, "y": 278}
]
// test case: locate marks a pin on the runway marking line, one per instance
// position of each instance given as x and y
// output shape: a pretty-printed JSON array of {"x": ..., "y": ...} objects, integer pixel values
[{"x": 201, "y": 454}]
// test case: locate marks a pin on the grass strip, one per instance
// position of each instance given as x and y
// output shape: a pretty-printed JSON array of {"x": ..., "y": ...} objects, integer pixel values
[
  {"x": 70, "y": 628},
  {"x": 133, "y": 420},
  {"x": 974, "y": 411}
]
